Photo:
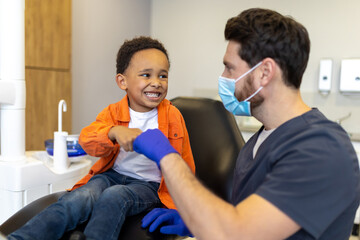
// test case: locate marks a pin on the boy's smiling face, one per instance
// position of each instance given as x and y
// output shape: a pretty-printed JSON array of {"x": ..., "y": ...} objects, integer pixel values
[{"x": 145, "y": 79}]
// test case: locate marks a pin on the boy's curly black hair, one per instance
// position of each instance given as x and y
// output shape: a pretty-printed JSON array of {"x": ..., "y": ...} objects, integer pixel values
[{"x": 130, "y": 47}]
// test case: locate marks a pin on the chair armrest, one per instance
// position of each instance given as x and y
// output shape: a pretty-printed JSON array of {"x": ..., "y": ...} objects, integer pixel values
[{"x": 26, "y": 213}]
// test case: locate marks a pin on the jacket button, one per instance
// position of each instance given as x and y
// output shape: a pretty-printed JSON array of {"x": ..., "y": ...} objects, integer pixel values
[{"x": 175, "y": 135}]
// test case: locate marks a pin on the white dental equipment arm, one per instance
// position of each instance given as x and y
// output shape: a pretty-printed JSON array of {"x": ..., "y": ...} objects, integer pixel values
[{"x": 12, "y": 80}]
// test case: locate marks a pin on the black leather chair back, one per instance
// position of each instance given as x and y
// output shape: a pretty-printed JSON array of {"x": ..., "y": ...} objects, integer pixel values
[{"x": 215, "y": 141}]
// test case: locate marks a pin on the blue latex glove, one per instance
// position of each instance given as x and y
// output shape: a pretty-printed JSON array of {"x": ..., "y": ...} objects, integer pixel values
[
  {"x": 169, "y": 219},
  {"x": 153, "y": 144}
]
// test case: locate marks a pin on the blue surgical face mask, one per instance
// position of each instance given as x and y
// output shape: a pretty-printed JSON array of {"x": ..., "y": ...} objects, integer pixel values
[{"x": 227, "y": 94}]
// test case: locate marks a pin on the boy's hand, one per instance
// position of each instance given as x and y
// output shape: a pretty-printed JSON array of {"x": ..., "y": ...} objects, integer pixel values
[
  {"x": 169, "y": 220},
  {"x": 154, "y": 145},
  {"x": 124, "y": 136}
]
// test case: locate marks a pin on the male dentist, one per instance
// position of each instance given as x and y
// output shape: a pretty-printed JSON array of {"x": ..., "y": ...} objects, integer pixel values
[{"x": 296, "y": 178}]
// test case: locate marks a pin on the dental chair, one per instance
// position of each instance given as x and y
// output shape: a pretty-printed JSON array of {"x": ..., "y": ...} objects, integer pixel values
[{"x": 215, "y": 141}]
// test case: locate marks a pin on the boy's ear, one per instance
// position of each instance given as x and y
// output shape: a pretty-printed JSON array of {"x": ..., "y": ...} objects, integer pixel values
[{"x": 121, "y": 81}]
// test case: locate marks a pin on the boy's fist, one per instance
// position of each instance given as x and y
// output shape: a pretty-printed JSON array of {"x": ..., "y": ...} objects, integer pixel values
[
  {"x": 154, "y": 145},
  {"x": 124, "y": 136}
]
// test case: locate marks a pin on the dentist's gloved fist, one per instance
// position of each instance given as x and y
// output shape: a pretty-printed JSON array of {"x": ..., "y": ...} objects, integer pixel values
[
  {"x": 169, "y": 219},
  {"x": 154, "y": 145}
]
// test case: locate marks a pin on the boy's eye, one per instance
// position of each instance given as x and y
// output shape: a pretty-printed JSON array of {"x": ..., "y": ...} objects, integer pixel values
[
  {"x": 163, "y": 76},
  {"x": 145, "y": 75}
]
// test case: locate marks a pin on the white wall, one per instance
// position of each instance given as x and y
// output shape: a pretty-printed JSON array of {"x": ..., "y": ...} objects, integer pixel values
[
  {"x": 99, "y": 29},
  {"x": 193, "y": 33}
]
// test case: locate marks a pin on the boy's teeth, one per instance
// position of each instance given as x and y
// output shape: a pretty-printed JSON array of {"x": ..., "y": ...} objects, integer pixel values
[{"x": 153, "y": 94}]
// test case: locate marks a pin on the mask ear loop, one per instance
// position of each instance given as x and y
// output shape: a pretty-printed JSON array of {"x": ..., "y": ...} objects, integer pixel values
[
  {"x": 249, "y": 71},
  {"x": 253, "y": 94},
  {"x": 252, "y": 69}
]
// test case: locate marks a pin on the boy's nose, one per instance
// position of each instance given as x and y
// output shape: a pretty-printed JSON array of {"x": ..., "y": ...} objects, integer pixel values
[{"x": 155, "y": 82}]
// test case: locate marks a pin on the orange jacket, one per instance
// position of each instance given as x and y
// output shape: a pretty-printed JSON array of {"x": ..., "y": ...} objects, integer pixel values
[{"x": 95, "y": 141}]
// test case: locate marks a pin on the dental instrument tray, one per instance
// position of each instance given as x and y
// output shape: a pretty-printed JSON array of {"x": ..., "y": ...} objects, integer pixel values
[{"x": 73, "y": 147}]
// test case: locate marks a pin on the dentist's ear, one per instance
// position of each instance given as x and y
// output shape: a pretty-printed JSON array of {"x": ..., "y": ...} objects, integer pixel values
[
  {"x": 268, "y": 71},
  {"x": 121, "y": 81}
]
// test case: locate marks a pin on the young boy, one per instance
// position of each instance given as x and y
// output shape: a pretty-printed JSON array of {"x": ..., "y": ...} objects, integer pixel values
[{"x": 122, "y": 182}]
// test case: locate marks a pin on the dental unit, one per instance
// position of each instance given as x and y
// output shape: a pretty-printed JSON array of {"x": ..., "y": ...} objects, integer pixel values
[{"x": 25, "y": 176}]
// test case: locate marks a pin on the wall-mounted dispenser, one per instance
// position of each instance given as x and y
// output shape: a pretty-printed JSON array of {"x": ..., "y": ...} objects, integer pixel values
[
  {"x": 350, "y": 76},
  {"x": 325, "y": 76}
]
